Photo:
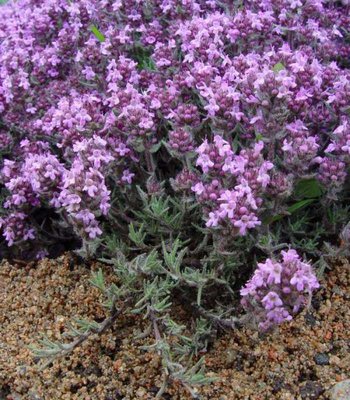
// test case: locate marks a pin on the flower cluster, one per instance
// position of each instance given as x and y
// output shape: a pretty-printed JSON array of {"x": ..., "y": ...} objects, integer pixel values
[
  {"x": 16, "y": 228},
  {"x": 233, "y": 184},
  {"x": 84, "y": 194},
  {"x": 278, "y": 289},
  {"x": 223, "y": 106}
]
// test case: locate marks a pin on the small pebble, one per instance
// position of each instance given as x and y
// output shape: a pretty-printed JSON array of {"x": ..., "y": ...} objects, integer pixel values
[
  {"x": 311, "y": 390},
  {"x": 341, "y": 391},
  {"x": 321, "y": 359},
  {"x": 310, "y": 319}
]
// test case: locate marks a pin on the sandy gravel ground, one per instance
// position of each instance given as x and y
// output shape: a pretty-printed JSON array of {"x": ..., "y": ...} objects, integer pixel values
[{"x": 301, "y": 360}]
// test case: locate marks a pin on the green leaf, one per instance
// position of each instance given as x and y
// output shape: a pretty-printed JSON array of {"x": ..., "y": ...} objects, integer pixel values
[
  {"x": 156, "y": 147},
  {"x": 278, "y": 67},
  {"x": 98, "y": 34},
  {"x": 98, "y": 280},
  {"x": 294, "y": 207},
  {"x": 137, "y": 235},
  {"x": 259, "y": 137},
  {"x": 273, "y": 218},
  {"x": 148, "y": 64},
  {"x": 299, "y": 205},
  {"x": 138, "y": 145},
  {"x": 308, "y": 189},
  {"x": 143, "y": 58}
]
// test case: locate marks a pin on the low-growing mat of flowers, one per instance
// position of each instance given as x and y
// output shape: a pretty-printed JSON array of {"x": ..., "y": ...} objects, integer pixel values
[{"x": 199, "y": 148}]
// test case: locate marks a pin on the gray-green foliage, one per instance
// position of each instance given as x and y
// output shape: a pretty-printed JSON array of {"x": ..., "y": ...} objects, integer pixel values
[{"x": 163, "y": 258}]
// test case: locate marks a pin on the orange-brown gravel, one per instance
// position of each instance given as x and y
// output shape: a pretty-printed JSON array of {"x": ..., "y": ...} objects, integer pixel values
[{"x": 278, "y": 365}]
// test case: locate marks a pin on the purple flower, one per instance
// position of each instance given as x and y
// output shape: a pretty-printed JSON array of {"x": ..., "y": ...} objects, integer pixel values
[
  {"x": 278, "y": 289},
  {"x": 93, "y": 231},
  {"x": 272, "y": 271},
  {"x": 271, "y": 301},
  {"x": 127, "y": 176},
  {"x": 204, "y": 162},
  {"x": 88, "y": 73},
  {"x": 261, "y": 110},
  {"x": 85, "y": 216},
  {"x": 198, "y": 188},
  {"x": 213, "y": 220}
]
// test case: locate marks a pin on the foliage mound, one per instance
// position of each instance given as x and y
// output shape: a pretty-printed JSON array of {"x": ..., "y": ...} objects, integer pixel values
[{"x": 181, "y": 141}]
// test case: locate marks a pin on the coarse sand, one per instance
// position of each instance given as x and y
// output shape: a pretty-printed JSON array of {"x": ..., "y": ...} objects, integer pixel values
[{"x": 299, "y": 360}]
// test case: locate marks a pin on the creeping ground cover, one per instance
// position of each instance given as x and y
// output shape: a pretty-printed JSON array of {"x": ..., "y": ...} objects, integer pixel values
[{"x": 202, "y": 148}]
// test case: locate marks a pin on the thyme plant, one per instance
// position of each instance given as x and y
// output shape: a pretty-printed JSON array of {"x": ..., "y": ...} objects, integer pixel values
[{"x": 183, "y": 143}]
